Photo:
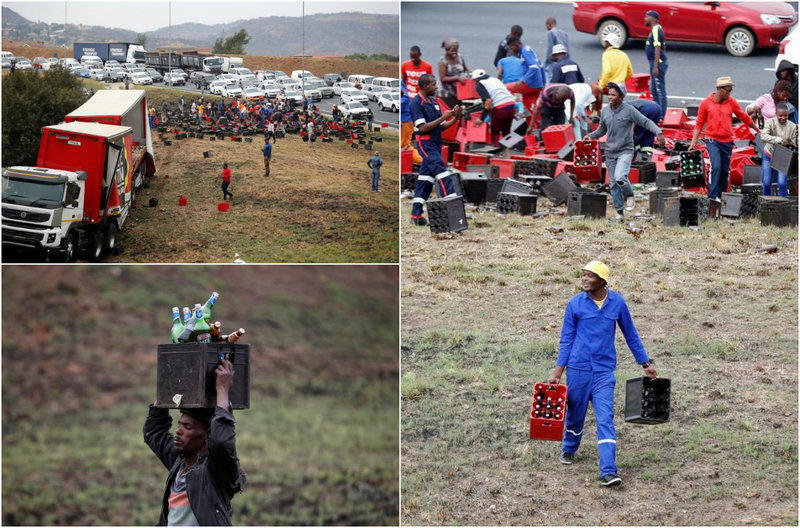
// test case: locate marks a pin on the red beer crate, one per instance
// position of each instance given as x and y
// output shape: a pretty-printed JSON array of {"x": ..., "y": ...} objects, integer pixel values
[
  {"x": 548, "y": 428},
  {"x": 462, "y": 159},
  {"x": 589, "y": 152},
  {"x": 445, "y": 153},
  {"x": 467, "y": 90},
  {"x": 639, "y": 83},
  {"x": 477, "y": 133},
  {"x": 406, "y": 160},
  {"x": 556, "y": 136},
  {"x": 506, "y": 167},
  {"x": 676, "y": 118}
]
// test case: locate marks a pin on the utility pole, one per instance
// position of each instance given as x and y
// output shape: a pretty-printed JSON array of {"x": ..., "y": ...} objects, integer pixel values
[
  {"x": 169, "y": 44},
  {"x": 303, "y": 52}
]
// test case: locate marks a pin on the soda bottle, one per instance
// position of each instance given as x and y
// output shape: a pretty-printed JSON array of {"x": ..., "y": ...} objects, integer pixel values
[
  {"x": 234, "y": 336},
  {"x": 208, "y": 305},
  {"x": 188, "y": 327},
  {"x": 177, "y": 326},
  {"x": 201, "y": 332},
  {"x": 216, "y": 337}
]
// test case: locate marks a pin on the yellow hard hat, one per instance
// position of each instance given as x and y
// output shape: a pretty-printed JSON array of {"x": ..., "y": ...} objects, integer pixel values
[{"x": 598, "y": 268}]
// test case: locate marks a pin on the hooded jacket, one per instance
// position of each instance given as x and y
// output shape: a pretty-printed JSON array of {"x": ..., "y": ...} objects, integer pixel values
[
  {"x": 787, "y": 65},
  {"x": 216, "y": 476}
]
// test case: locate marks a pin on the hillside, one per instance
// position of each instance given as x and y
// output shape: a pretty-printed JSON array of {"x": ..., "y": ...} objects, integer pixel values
[{"x": 319, "y": 442}]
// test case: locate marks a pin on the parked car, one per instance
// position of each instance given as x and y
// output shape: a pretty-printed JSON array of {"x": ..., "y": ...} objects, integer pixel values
[
  {"x": 96, "y": 73},
  {"x": 331, "y": 78},
  {"x": 154, "y": 75},
  {"x": 271, "y": 90},
  {"x": 391, "y": 83},
  {"x": 314, "y": 94},
  {"x": 23, "y": 64},
  {"x": 80, "y": 71},
  {"x": 247, "y": 82},
  {"x": 279, "y": 75},
  {"x": 141, "y": 78},
  {"x": 360, "y": 80},
  {"x": 377, "y": 91},
  {"x": 181, "y": 73},
  {"x": 389, "y": 101},
  {"x": 68, "y": 63},
  {"x": 38, "y": 62},
  {"x": 230, "y": 90},
  {"x": 354, "y": 108},
  {"x": 198, "y": 78},
  {"x": 225, "y": 77},
  {"x": 216, "y": 86},
  {"x": 6, "y": 55},
  {"x": 265, "y": 76},
  {"x": 252, "y": 93},
  {"x": 46, "y": 65},
  {"x": 114, "y": 74},
  {"x": 740, "y": 26},
  {"x": 6, "y": 63},
  {"x": 293, "y": 97},
  {"x": 352, "y": 94},
  {"x": 319, "y": 84},
  {"x": 242, "y": 73},
  {"x": 789, "y": 48},
  {"x": 112, "y": 62},
  {"x": 341, "y": 85},
  {"x": 174, "y": 79}
]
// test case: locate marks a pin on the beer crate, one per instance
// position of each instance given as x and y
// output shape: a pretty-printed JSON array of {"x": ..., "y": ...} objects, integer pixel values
[
  {"x": 686, "y": 210},
  {"x": 738, "y": 205},
  {"x": 588, "y": 161},
  {"x": 556, "y": 136},
  {"x": 543, "y": 428},
  {"x": 408, "y": 181},
  {"x": 505, "y": 166},
  {"x": 534, "y": 181},
  {"x": 751, "y": 174},
  {"x": 493, "y": 186},
  {"x": 558, "y": 189},
  {"x": 462, "y": 159},
  {"x": 567, "y": 152},
  {"x": 490, "y": 171},
  {"x": 692, "y": 169},
  {"x": 187, "y": 369},
  {"x": 474, "y": 186},
  {"x": 589, "y": 204},
  {"x": 524, "y": 166},
  {"x": 512, "y": 185},
  {"x": 657, "y": 199},
  {"x": 647, "y": 400},
  {"x": 774, "y": 210},
  {"x": 516, "y": 202},
  {"x": 513, "y": 141},
  {"x": 784, "y": 159},
  {"x": 544, "y": 166},
  {"x": 645, "y": 172},
  {"x": 447, "y": 214}
]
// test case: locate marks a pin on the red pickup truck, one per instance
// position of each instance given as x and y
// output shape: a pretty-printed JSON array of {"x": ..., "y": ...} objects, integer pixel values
[{"x": 740, "y": 26}]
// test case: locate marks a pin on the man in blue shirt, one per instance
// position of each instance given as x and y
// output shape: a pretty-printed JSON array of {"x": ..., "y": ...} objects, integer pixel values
[
  {"x": 532, "y": 80},
  {"x": 267, "y": 151},
  {"x": 565, "y": 70},
  {"x": 587, "y": 350},
  {"x": 428, "y": 124},
  {"x": 375, "y": 163},
  {"x": 655, "y": 49},
  {"x": 509, "y": 69}
]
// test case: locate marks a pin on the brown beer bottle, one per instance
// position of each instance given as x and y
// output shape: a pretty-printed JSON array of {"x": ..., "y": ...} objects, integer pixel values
[
  {"x": 234, "y": 336},
  {"x": 216, "y": 336}
]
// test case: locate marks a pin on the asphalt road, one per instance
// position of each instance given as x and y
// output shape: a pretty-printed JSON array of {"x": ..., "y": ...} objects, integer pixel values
[
  {"x": 325, "y": 105},
  {"x": 480, "y": 26}
]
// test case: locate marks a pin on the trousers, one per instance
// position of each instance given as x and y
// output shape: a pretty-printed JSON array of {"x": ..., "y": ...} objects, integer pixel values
[{"x": 432, "y": 170}]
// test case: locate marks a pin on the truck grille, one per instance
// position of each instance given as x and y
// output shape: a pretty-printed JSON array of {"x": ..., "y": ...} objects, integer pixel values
[
  {"x": 12, "y": 236},
  {"x": 15, "y": 214}
]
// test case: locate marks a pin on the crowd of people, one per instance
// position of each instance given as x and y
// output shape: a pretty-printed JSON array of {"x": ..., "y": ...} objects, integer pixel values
[{"x": 556, "y": 92}]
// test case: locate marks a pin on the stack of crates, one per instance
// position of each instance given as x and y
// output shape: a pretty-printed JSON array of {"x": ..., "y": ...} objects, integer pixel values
[
  {"x": 647, "y": 400},
  {"x": 692, "y": 169},
  {"x": 686, "y": 210},
  {"x": 642, "y": 172},
  {"x": 516, "y": 202},
  {"x": 548, "y": 423},
  {"x": 587, "y": 161},
  {"x": 447, "y": 214},
  {"x": 775, "y": 210}
]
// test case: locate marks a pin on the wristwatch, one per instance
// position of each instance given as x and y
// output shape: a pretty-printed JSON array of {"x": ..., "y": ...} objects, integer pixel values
[{"x": 647, "y": 363}]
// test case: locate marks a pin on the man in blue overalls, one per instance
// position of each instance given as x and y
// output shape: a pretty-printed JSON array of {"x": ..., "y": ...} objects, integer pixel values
[
  {"x": 587, "y": 349},
  {"x": 375, "y": 163},
  {"x": 428, "y": 124}
]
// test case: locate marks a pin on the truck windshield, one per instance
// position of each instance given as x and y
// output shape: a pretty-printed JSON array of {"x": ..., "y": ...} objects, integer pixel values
[
  {"x": 138, "y": 55},
  {"x": 213, "y": 62},
  {"x": 27, "y": 192}
]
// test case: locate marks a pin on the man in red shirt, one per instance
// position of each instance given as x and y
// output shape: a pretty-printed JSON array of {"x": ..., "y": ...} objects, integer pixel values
[
  {"x": 715, "y": 114},
  {"x": 226, "y": 181},
  {"x": 412, "y": 70}
]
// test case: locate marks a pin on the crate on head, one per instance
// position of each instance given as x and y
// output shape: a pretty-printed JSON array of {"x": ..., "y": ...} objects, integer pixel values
[
  {"x": 647, "y": 400},
  {"x": 589, "y": 204},
  {"x": 447, "y": 214},
  {"x": 548, "y": 423},
  {"x": 658, "y": 196},
  {"x": 774, "y": 210},
  {"x": 692, "y": 169},
  {"x": 474, "y": 186},
  {"x": 187, "y": 370},
  {"x": 516, "y": 202},
  {"x": 558, "y": 189}
]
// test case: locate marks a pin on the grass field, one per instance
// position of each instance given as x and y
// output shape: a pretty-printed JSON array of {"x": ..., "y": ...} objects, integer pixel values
[
  {"x": 319, "y": 443},
  {"x": 482, "y": 315}
]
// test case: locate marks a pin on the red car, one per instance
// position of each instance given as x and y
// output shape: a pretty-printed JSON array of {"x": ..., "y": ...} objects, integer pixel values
[{"x": 740, "y": 26}]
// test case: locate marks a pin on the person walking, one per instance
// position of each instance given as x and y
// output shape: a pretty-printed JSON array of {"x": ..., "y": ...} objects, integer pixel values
[
  {"x": 181, "y": 104},
  {"x": 714, "y": 115},
  {"x": 271, "y": 132},
  {"x": 370, "y": 117},
  {"x": 498, "y": 104},
  {"x": 532, "y": 80},
  {"x": 616, "y": 68},
  {"x": 204, "y": 471},
  {"x": 778, "y": 130},
  {"x": 310, "y": 131},
  {"x": 616, "y": 123},
  {"x": 267, "y": 152},
  {"x": 375, "y": 163},
  {"x": 226, "y": 181},
  {"x": 555, "y": 36},
  {"x": 643, "y": 138},
  {"x": 588, "y": 353},
  {"x": 412, "y": 69},
  {"x": 503, "y": 49},
  {"x": 429, "y": 122},
  {"x": 655, "y": 49},
  {"x": 152, "y": 113},
  {"x": 565, "y": 70},
  {"x": 551, "y": 107}
]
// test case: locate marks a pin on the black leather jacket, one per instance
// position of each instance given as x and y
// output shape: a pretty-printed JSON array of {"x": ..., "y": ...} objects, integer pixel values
[{"x": 216, "y": 476}]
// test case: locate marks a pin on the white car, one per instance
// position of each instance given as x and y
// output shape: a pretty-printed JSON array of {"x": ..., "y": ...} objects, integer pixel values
[
  {"x": 265, "y": 76},
  {"x": 252, "y": 93},
  {"x": 271, "y": 90},
  {"x": 216, "y": 86},
  {"x": 341, "y": 85},
  {"x": 49, "y": 64},
  {"x": 352, "y": 94},
  {"x": 23, "y": 64},
  {"x": 294, "y": 97},
  {"x": 319, "y": 84},
  {"x": 789, "y": 48},
  {"x": 171, "y": 79},
  {"x": 114, "y": 74},
  {"x": 313, "y": 93},
  {"x": 230, "y": 90},
  {"x": 141, "y": 78},
  {"x": 225, "y": 77},
  {"x": 242, "y": 73},
  {"x": 354, "y": 108},
  {"x": 389, "y": 101},
  {"x": 179, "y": 72},
  {"x": 96, "y": 73},
  {"x": 376, "y": 91}
]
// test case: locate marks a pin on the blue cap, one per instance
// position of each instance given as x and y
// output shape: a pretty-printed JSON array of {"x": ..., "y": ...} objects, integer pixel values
[{"x": 652, "y": 13}]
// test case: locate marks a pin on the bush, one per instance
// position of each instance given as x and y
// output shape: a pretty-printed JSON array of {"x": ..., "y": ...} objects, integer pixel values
[{"x": 30, "y": 101}]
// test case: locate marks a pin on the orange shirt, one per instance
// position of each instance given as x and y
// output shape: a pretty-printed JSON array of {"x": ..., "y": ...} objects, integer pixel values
[{"x": 410, "y": 74}]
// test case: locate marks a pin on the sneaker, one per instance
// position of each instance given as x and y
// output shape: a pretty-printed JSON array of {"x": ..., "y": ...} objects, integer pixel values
[
  {"x": 620, "y": 217},
  {"x": 419, "y": 221},
  {"x": 566, "y": 458},
  {"x": 631, "y": 203},
  {"x": 610, "y": 480}
]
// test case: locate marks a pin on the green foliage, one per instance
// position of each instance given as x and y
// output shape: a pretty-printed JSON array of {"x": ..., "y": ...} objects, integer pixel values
[
  {"x": 141, "y": 39},
  {"x": 32, "y": 100},
  {"x": 234, "y": 44},
  {"x": 382, "y": 57}
]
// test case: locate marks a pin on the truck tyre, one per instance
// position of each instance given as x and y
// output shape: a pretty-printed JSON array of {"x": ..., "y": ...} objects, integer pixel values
[
  {"x": 111, "y": 238},
  {"x": 69, "y": 247},
  {"x": 615, "y": 26},
  {"x": 740, "y": 41},
  {"x": 96, "y": 245}
]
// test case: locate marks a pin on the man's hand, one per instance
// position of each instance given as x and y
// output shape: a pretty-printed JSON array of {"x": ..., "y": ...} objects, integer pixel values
[
  {"x": 458, "y": 109},
  {"x": 553, "y": 380},
  {"x": 555, "y": 377},
  {"x": 651, "y": 371},
  {"x": 660, "y": 140},
  {"x": 224, "y": 374},
  {"x": 692, "y": 145}
]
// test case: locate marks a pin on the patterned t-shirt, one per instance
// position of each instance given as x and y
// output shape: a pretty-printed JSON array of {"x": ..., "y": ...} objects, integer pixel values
[{"x": 180, "y": 513}]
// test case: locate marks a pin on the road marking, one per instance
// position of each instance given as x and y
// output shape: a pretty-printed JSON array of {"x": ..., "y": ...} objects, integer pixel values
[{"x": 769, "y": 69}]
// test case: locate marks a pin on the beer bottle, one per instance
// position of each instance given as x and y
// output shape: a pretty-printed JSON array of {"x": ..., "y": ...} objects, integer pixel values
[
  {"x": 188, "y": 328},
  {"x": 208, "y": 305},
  {"x": 216, "y": 337},
  {"x": 201, "y": 332},
  {"x": 177, "y": 326},
  {"x": 234, "y": 336},
  {"x": 187, "y": 314}
]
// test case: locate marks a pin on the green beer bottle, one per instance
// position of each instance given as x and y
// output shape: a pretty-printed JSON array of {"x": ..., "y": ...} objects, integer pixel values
[
  {"x": 207, "y": 307},
  {"x": 201, "y": 332},
  {"x": 177, "y": 326},
  {"x": 188, "y": 327}
]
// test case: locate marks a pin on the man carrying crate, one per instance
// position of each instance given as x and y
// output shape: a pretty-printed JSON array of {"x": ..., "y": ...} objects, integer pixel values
[
  {"x": 587, "y": 349},
  {"x": 204, "y": 471}
]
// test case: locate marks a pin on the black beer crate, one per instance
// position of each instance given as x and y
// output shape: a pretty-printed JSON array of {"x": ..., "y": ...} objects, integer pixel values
[
  {"x": 647, "y": 400},
  {"x": 774, "y": 210},
  {"x": 692, "y": 169},
  {"x": 493, "y": 186},
  {"x": 784, "y": 159},
  {"x": 524, "y": 167},
  {"x": 543, "y": 166},
  {"x": 567, "y": 152},
  {"x": 668, "y": 179},
  {"x": 752, "y": 174},
  {"x": 187, "y": 369},
  {"x": 474, "y": 186},
  {"x": 687, "y": 210},
  {"x": 657, "y": 199},
  {"x": 738, "y": 205},
  {"x": 447, "y": 214},
  {"x": 558, "y": 188},
  {"x": 590, "y": 204},
  {"x": 647, "y": 171},
  {"x": 408, "y": 181},
  {"x": 535, "y": 181},
  {"x": 513, "y": 185},
  {"x": 490, "y": 171},
  {"x": 516, "y": 202}
]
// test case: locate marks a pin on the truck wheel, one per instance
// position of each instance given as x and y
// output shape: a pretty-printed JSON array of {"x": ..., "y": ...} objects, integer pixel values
[
  {"x": 613, "y": 26},
  {"x": 69, "y": 247},
  {"x": 111, "y": 238},
  {"x": 740, "y": 42},
  {"x": 96, "y": 244}
]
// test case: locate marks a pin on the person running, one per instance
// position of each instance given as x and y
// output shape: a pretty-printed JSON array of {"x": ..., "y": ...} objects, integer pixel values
[
  {"x": 565, "y": 70},
  {"x": 616, "y": 68},
  {"x": 503, "y": 49},
  {"x": 643, "y": 138},
  {"x": 310, "y": 131},
  {"x": 414, "y": 68},
  {"x": 778, "y": 130},
  {"x": 532, "y": 80},
  {"x": 555, "y": 36},
  {"x": 429, "y": 122},
  {"x": 226, "y": 181},
  {"x": 616, "y": 123},
  {"x": 498, "y": 104},
  {"x": 452, "y": 69},
  {"x": 375, "y": 163},
  {"x": 714, "y": 115},
  {"x": 655, "y": 50},
  {"x": 551, "y": 106},
  {"x": 588, "y": 353},
  {"x": 267, "y": 152}
]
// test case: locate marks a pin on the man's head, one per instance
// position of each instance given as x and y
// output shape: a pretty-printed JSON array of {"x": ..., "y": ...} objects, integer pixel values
[
  {"x": 616, "y": 94},
  {"x": 414, "y": 54},
  {"x": 550, "y": 23},
  {"x": 724, "y": 88},
  {"x": 427, "y": 85},
  {"x": 787, "y": 74},
  {"x": 514, "y": 44},
  {"x": 782, "y": 112},
  {"x": 594, "y": 276},
  {"x": 562, "y": 93},
  {"x": 377, "y": 154},
  {"x": 651, "y": 18},
  {"x": 559, "y": 52},
  {"x": 516, "y": 31},
  {"x": 190, "y": 436}
]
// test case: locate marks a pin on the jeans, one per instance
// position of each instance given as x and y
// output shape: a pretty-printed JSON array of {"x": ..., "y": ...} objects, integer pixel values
[
  {"x": 767, "y": 173},
  {"x": 225, "y": 192},
  {"x": 658, "y": 86},
  {"x": 617, "y": 170},
  {"x": 375, "y": 177},
  {"x": 720, "y": 155}
]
